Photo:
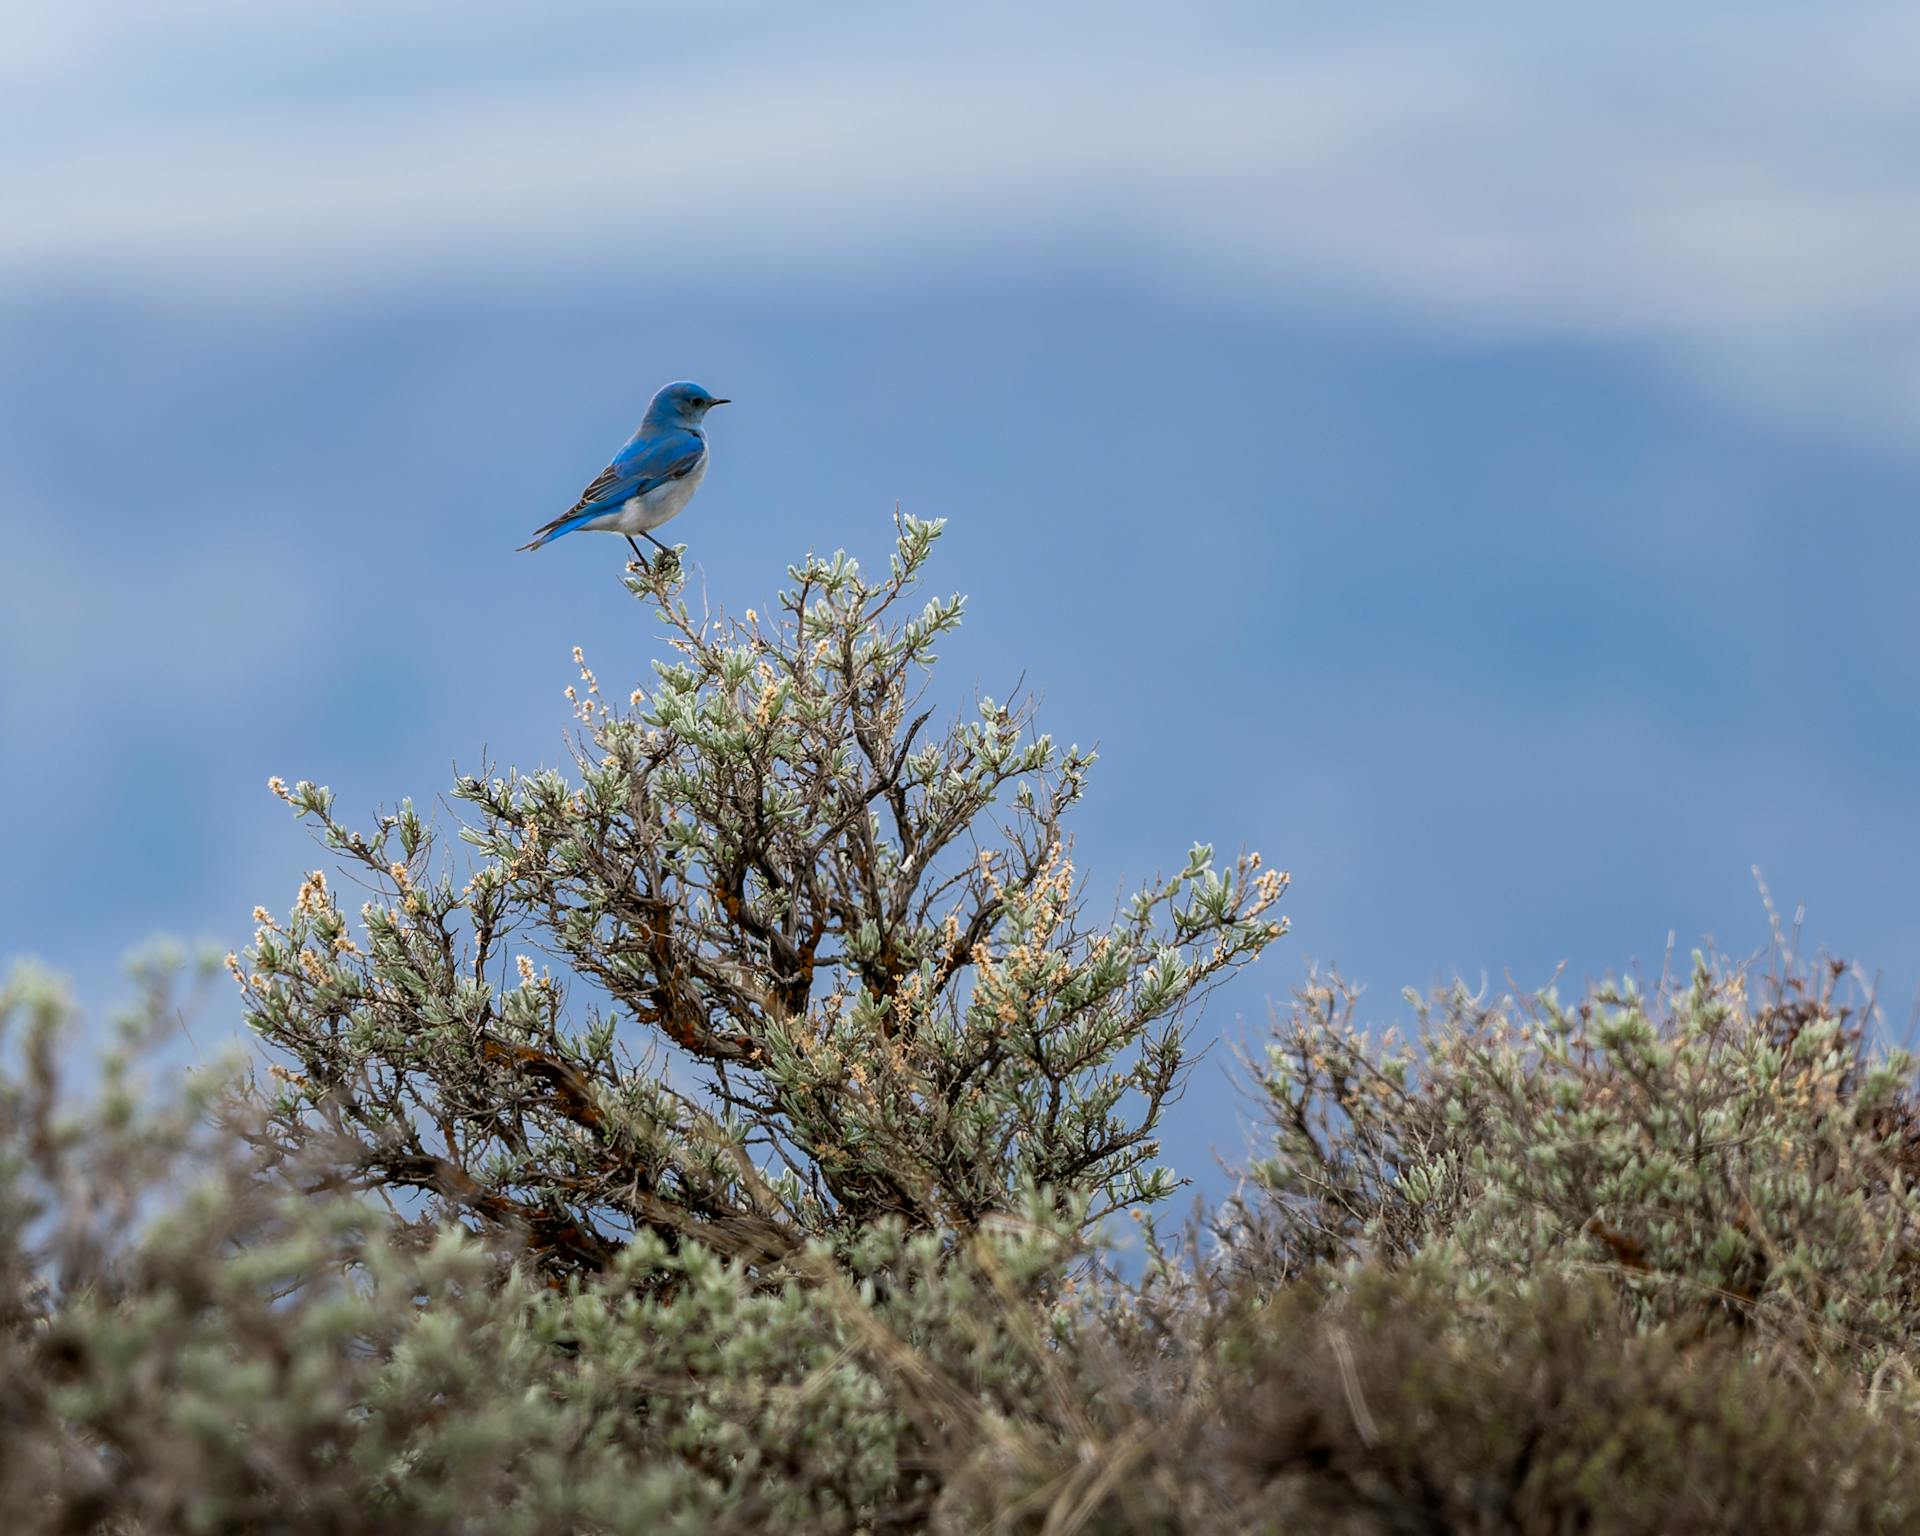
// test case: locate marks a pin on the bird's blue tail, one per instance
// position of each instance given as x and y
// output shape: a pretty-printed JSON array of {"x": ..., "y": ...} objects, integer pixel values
[{"x": 562, "y": 525}]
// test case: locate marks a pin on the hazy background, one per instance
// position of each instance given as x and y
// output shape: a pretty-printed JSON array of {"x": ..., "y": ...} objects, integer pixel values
[{"x": 1470, "y": 459}]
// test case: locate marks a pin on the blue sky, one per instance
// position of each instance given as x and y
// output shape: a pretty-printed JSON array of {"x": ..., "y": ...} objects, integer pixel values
[{"x": 1469, "y": 459}]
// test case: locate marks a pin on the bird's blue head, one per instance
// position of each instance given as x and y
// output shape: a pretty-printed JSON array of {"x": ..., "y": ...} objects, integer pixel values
[{"x": 681, "y": 405}]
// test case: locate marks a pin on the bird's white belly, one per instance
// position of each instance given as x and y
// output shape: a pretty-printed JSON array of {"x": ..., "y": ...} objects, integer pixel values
[{"x": 642, "y": 514}]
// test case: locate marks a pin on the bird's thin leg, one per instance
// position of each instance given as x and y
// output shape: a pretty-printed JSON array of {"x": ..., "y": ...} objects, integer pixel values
[
  {"x": 638, "y": 554},
  {"x": 653, "y": 541}
]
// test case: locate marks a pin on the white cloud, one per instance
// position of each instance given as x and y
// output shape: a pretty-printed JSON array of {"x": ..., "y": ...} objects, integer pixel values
[{"x": 1737, "y": 189}]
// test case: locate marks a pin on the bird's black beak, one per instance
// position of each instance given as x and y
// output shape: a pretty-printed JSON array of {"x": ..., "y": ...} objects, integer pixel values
[{"x": 712, "y": 403}]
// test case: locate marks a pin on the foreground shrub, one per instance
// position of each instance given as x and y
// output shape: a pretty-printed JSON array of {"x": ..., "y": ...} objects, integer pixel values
[
  {"x": 1731, "y": 1151},
  {"x": 191, "y": 1341},
  {"x": 187, "y": 1343},
  {"x": 1387, "y": 1410}
]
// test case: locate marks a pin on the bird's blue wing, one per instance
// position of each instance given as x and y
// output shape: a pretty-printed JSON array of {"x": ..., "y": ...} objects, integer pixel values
[{"x": 642, "y": 465}]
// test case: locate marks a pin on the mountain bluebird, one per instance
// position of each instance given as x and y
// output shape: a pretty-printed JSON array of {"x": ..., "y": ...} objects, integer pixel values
[{"x": 651, "y": 479}]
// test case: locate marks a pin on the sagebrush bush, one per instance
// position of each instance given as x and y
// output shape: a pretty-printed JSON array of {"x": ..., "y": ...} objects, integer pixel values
[
  {"x": 252, "y": 1356},
  {"x": 730, "y": 1145},
  {"x": 1386, "y": 1408},
  {"x": 869, "y": 940},
  {"x": 1731, "y": 1150}
]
